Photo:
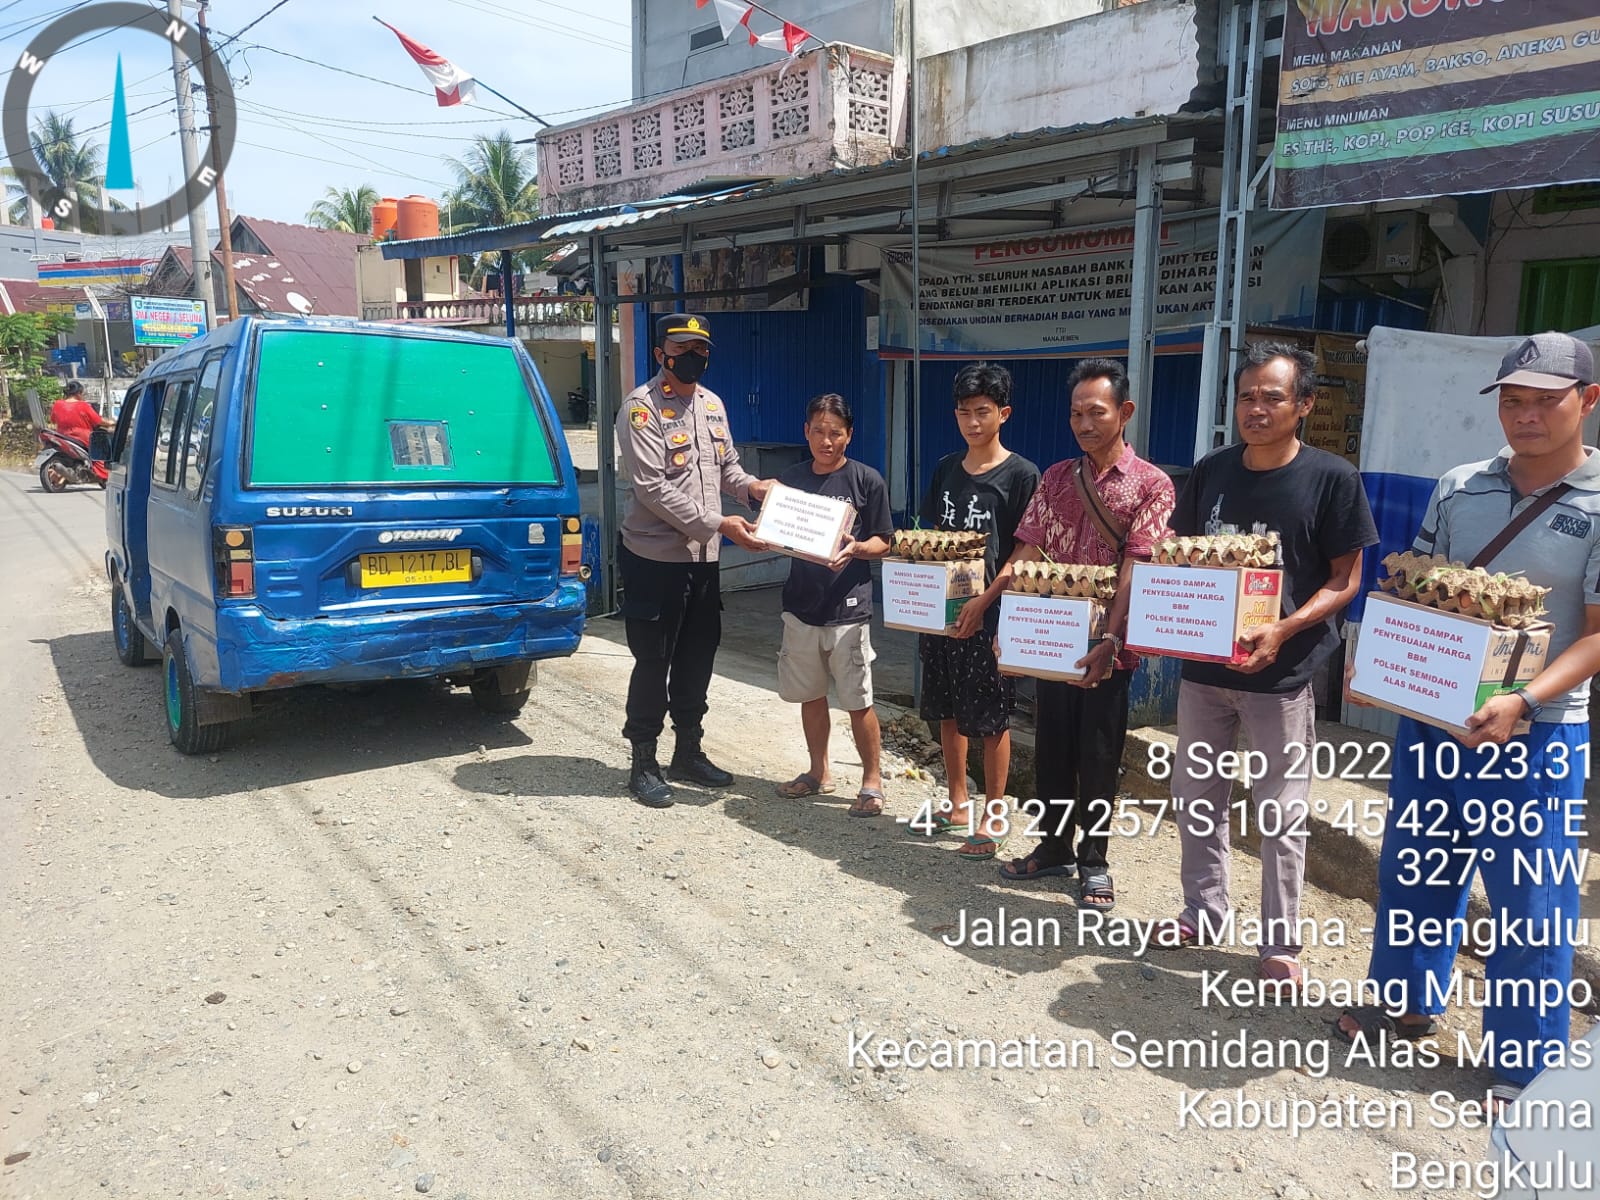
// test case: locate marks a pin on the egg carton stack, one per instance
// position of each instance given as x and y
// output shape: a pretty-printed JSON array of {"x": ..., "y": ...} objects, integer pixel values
[
  {"x": 1436, "y": 582},
  {"x": 1064, "y": 579},
  {"x": 1255, "y": 550},
  {"x": 937, "y": 545}
]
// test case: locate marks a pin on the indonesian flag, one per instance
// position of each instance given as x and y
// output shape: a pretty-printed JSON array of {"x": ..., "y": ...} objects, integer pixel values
[
  {"x": 730, "y": 14},
  {"x": 450, "y": 83},
  {"x": 788, "y": 39}
]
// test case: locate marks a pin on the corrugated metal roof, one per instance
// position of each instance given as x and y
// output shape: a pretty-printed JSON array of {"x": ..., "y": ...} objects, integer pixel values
[{"x": 564, "y": 226}]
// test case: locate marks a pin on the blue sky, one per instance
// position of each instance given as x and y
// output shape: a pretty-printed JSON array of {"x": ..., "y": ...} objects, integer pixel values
[{"x": 304, "y": 127}]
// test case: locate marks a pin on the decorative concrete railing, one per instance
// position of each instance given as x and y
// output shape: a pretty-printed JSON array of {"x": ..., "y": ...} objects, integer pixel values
[
  {"x": 836, "y": 106},
  {"x": 488, "y": 310}
]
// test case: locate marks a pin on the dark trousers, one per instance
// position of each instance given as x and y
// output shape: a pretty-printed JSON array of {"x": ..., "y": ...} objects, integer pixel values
[
  {"x": 673, "y": 614},
  {"x": 1076, "y": 758}
]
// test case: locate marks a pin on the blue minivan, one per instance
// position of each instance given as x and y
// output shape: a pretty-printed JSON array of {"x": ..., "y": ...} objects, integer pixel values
[{"x": 321, "y": 501}]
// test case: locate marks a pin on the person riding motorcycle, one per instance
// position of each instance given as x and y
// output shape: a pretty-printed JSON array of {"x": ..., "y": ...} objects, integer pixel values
[{"x": 75, "y": 417}]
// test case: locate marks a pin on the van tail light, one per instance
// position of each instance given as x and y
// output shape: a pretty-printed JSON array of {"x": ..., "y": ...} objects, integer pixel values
[
  {"x": 233, "y": 555},
  {"x": 572, "y": 548}
]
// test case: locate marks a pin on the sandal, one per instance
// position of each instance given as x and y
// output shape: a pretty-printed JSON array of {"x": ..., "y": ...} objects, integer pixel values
[
  {"x": 803, "y": 785},
  {"x": 868, "y": 803},
  {"x": 974, "y": 840},
  {"x": 944, "y": 822},
  {"x": 1284, "y": 970},
  {"x": 1175, "y": 933},
  {"x": 1094, "y": 887},
  {"x": 1022, "y": 870},
  {"x": 1372, "y": 1022}
]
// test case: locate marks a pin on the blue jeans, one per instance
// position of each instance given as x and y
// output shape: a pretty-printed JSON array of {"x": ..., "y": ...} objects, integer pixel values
[{"x": 1444, "y": 822}]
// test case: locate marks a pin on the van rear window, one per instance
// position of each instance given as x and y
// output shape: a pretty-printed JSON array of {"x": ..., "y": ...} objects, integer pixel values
[{"x": 335, "y": 407}]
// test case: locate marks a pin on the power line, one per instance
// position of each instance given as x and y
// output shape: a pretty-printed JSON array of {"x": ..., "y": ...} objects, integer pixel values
[
  {"x": 370, "y": 78},
  {"x": 235, "y": 37},
  {"x": 547, "y": 26},
  {"x": 273, "y": 113}
]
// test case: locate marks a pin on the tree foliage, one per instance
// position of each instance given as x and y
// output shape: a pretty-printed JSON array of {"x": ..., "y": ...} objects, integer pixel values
[
  {"x": 70, "y": 162},
  {"x": 24, "y": 339},
  {"x": 497, "y": 183},
  {"x": 348, "y": 210}
]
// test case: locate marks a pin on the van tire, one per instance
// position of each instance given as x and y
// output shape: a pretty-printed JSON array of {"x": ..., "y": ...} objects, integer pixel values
[
  {"x": 182, "y": 703},
  {"x": 486, "y": 694},
  {"x": 133, "y": 650}
]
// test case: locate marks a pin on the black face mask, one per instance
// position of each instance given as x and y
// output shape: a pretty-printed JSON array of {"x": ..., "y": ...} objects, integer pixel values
[{"x": 687, "y": 366}]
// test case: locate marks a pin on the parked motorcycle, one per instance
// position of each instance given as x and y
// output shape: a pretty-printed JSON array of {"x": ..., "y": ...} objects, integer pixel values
[
  {"x": 578, "y": 406},
  {"x": 64, "y": 462}
]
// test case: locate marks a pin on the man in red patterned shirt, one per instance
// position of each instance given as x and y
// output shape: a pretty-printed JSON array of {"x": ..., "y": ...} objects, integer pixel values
[{"x": 1082, "y": 725}]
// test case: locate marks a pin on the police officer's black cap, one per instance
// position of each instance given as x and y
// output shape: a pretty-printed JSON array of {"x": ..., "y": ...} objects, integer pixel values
[{"x": 682, "y": 325}]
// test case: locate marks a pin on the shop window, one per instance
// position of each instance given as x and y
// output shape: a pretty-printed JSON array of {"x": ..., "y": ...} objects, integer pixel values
[{"x": 1562, "y": 293}]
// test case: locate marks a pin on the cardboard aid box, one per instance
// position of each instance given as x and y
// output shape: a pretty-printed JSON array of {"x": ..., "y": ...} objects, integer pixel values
[
  {"x": 803, "y": 524},
  {"x": 1044, "y": 636},
  {"x": 926, "y": 597},
  {"x": 1437, "y": 666},
  {"x": 1200, "y": 612}
]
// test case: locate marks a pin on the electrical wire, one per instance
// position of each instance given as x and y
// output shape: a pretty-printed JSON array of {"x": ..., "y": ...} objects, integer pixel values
[{"x": 546, "y": 26}]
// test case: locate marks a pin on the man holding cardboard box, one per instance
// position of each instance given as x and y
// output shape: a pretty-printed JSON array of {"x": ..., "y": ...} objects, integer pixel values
[
  {"x": 1509, "y": 805},
  {"x": 678, "y": 452},
  {"x": 1269, "y": 481},
  {"x": 1105, "y": 509},
  {"x": 827, "y": 610}
]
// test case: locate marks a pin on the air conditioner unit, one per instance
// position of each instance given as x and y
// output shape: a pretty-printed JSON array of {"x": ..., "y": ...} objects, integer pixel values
[{"x": 1373, "y": 244}]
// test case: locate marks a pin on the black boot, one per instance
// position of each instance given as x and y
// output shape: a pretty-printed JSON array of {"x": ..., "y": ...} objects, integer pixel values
[
  {"x": 645, "y": 781},
  {"x": 690, "y": 765}
]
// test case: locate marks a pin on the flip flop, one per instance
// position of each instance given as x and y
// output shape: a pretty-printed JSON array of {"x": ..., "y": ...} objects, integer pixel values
[
  {"x": 1011, "y": 874},
  {"x": 982, "y": 839},
  {"x": 873, "y": 803},
  {"x": 809, "y": 786},
  {"x": 1174, "y": 933},
  {"x": 1282, "y": 969},
  {"x": 1373, "y": 1022}
]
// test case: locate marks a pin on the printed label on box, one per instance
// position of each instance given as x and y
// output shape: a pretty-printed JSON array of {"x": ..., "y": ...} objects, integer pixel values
[
  {"x": 1426, "y": 661},
  {"x": 1184, "y": 610},
  {"x": 804, "y": 524},
  {"x": 1045, "y": 636},
  {"x": 918, "y": 595}
]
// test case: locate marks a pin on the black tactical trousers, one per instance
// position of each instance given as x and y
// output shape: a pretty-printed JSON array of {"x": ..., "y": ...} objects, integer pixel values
[
  {"x": 1081, "y": 732},
  {"x": 673, "y": 614}
]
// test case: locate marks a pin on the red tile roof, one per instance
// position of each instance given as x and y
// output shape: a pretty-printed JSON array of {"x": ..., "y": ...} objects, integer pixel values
[
  {"x": 308, "y": 270},
  {"x": 28, "y": 295}
]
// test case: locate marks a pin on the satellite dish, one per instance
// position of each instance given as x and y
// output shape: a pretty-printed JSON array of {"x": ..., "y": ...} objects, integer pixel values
[{"x": 300, "y": 303}]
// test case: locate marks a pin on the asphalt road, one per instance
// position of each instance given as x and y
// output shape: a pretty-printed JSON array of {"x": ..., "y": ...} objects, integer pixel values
[{"x": 383, "y": 945}]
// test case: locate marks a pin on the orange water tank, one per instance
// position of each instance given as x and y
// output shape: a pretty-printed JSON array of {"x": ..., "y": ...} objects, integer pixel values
[
  {"x": 385, "y": 216},
  {"x": 419, "y": 218}
]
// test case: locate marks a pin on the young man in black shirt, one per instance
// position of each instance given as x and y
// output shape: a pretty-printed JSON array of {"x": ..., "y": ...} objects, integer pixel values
[
  {"x": 986, "y": 487},
  {"x": 1314, "y": 501},
  {"x": 827, "y": 610}
]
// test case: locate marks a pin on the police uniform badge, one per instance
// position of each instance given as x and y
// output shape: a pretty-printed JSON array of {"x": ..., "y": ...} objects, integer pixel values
[
  {"x": 680, "y": 439},
  {"x": 669, "y": 414},
  {"x": 638, "y": 417},
  {"x": 713, "y": 407},
  {"x": 679, "y": 459}
]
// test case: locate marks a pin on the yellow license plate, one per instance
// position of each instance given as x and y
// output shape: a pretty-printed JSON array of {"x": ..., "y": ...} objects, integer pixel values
[{"x": 411, "y": 568}]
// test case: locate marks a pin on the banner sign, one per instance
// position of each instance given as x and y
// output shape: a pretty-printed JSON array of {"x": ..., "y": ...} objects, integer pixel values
[
  {"x": 1410, "y": 98},
  {"x": 96, "y": 271},
  {"x": 1069, "y": 293},
  {"x": 159, "y": 321}
]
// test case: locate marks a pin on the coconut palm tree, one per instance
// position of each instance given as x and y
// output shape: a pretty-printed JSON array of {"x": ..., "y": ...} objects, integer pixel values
[
  {"x": 348, "y": 210},
  {"x": 71, "y": 165},
  {"x": 496, "y": 184}
]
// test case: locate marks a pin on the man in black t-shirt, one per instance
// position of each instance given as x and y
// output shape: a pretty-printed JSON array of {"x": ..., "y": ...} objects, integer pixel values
[
  {"x": 985, "y": 487},
  {"x": 1314, "y": 501},
  {"x": 827, "y": 609}
]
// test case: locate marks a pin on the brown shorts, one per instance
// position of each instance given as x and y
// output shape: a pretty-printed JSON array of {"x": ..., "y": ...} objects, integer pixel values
[{"x": 814, "y": 655}]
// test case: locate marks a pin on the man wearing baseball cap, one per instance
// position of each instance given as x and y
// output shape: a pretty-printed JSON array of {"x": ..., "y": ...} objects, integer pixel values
[
  {"x": 678, "y": 453},
  {"x": 1509, "y": 804}
]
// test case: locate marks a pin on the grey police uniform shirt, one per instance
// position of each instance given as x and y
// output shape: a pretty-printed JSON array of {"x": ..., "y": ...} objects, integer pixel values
[
  {"x": 678, "y": 454},
  {"x": 1560, "y": 550}
]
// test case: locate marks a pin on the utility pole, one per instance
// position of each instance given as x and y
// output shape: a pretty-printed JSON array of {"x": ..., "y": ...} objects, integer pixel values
[
  {"x": 207, "y": 66},
  {"x": 198, "y": 249}
]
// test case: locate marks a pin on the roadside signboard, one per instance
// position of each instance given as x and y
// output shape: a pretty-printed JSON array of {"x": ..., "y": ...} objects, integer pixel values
[{"x": 162, "y": 321}]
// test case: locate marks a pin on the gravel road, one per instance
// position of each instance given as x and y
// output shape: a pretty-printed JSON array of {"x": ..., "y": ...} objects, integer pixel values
[{"x": 383, "y": 945}]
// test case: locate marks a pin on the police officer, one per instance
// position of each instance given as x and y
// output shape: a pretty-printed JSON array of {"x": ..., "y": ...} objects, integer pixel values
[{"x": 678, "y": 452}]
